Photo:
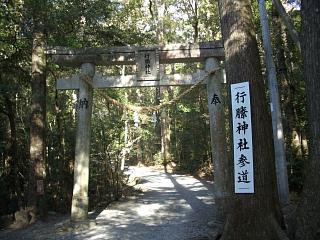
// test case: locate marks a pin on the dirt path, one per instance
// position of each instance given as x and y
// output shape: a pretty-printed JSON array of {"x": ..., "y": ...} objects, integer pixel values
[{"x": 170, "y": 207}]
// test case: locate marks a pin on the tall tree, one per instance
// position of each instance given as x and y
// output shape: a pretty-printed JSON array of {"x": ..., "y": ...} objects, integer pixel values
[
  {"x": 278, "y": 138},
  {"x": 36, "y": 198},
  {"x": 308, "y": 212},
  {"x": 250, "y": 216},
  {"x": 10, "y": 107},
  {"x": 160, "y": 7}
]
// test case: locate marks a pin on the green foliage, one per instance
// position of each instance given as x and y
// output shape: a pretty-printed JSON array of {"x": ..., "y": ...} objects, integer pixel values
[
  {"x": 292, "y": 90},
  {"x": 191, "y": 132}
]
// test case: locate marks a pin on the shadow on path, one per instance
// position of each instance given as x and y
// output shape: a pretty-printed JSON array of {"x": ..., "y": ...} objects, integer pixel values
[{"x": 171, "y": 207}]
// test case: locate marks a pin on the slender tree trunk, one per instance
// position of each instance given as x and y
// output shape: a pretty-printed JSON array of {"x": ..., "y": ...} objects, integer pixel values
[
  {"x": 165, "y": 132},
  {"x": 288, "y": 23},
  {"x": 286, "y": 87},
  {"x": 5, "y": 130},
  {"x": 10, "y": 107},
  {"x": 63, "y": 164},
  {"x": 308, "y": 212},
  {"x": 250, "y": 216},
  {"x": 61, "y": 143},
  {"x": 195, "y": 22},
  {"x": 159, "y": 36},
  {"x": 164, "y": 114},
  {"x": 278, "y": 138},
  {"x": 165, "y": 136},
  {"x": 126, "y": 135}
]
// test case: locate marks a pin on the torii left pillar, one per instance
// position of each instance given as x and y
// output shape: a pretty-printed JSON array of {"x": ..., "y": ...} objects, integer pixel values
[{"x": 80, "y": 200}]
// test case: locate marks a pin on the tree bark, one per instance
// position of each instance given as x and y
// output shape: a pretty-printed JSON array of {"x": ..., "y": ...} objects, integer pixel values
[
  {"x": 165, "y": 136},
  {"x": 36, "y": 198},
  {"x": 308, "y": 212},
  {"x": 250, "y": 216},
  {"x": 13, "y": 150},
  {"x": 288, "y": 97},
  {"x": 195, "y": 22},
  {"x": 164, "y": 113},
  {"x": 278, "y": 138}
]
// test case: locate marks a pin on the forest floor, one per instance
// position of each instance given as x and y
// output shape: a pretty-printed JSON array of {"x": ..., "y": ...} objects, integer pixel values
[{"x": 167, "y": 206}]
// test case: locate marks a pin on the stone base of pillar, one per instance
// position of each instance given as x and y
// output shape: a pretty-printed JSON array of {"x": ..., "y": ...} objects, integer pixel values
[
  {"x": 79, "y": 209},
  {"x": 76, "y": 226}
]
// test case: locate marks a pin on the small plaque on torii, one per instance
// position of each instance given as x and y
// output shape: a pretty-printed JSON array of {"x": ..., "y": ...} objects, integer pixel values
[{"x": 147, "y": 61}]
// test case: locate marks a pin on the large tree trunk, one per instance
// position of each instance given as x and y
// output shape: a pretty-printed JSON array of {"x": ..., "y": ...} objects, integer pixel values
[
  {"x": 36, "y": 198},
  {"x": 250, "y": 216},
  {"x": 308, "y": 220}
]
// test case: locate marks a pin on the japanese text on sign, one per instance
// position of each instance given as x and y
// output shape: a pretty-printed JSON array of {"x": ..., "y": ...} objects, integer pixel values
[
  {"x": 242, "y": 138},
  {"x": 83, "y": 103},
  {"x": 147, "y": 64}
]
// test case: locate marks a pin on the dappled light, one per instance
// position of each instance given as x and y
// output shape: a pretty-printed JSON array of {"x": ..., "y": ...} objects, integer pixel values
[{"x": 175, "y": 206}]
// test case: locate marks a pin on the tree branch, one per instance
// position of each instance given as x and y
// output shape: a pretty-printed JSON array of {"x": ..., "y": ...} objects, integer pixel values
[{"x": 287, "y": 22}]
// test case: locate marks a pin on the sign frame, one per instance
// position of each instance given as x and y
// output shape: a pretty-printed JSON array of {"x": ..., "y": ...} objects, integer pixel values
[
  {"x": 147, "y": 64},
  {"x": 242, "y": 138}
]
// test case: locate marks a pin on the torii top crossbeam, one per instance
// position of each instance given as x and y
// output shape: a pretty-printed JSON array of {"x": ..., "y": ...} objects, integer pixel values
[{"x": 125, "y": 55}]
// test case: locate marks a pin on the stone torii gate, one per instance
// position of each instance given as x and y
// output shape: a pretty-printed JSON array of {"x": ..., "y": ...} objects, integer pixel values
[{"x": 147, "y": 60}]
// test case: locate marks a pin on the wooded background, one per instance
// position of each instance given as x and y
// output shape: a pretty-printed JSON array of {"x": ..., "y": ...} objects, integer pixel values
[{"x": 38, "y": 122}]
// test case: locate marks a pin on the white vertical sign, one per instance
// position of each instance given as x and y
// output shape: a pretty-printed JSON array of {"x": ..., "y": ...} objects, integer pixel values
[{"x": 242, "y": 138}]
